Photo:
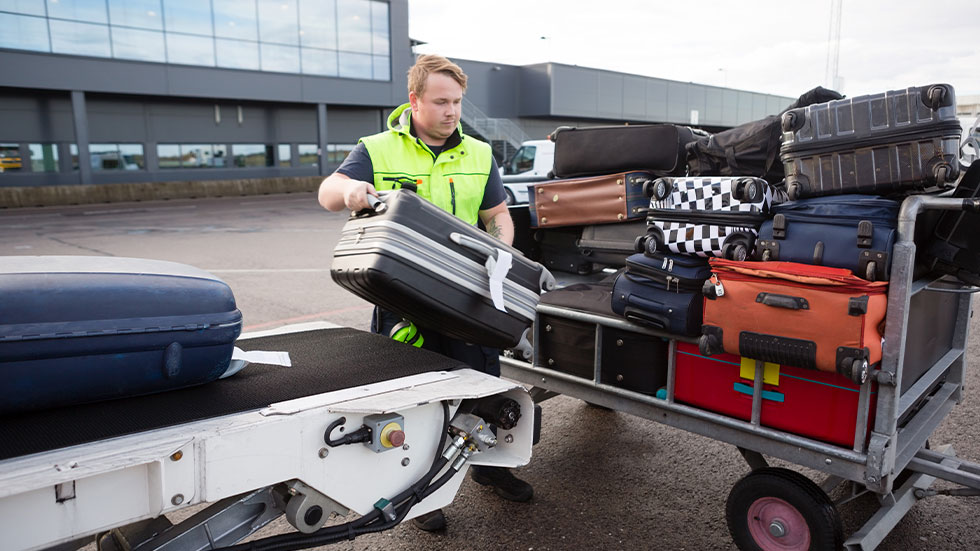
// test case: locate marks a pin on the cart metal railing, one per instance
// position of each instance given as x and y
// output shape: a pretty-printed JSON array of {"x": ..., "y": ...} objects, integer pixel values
[{"x": 904, "y": 421}]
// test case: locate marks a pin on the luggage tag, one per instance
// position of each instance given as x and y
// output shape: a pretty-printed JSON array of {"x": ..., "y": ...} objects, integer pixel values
[
  {"x": 241, "y": 358},
  {"x": 719, "y": 288}
]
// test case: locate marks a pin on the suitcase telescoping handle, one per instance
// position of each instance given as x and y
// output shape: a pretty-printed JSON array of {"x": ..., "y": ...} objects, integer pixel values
[
  {"x": 783, "y": 301},
  {"x": 378, "y": 205},
  {"x": 547, "y": 281}
]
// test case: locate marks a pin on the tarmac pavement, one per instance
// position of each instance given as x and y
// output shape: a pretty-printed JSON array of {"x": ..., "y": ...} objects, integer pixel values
[{"x": 602, "y": 479}]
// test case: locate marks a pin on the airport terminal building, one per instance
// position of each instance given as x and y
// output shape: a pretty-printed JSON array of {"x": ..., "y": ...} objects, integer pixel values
[{"x": 137, "y": 91}]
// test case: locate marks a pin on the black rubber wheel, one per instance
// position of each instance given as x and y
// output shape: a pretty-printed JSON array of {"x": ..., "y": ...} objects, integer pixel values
[
  {"x": 648, "y": 188},
  {"x": 941, "y": 173},
  {"x": 793, "y": 191},
  {"x": 736, "y": 249},
  {"x": 652, "y": 245},
  {"x": 869, "y": 271},
  {"x": 748, "y": 191},
  {"x": 661, "y": 189},
  {"x": 640, "y": 243},
  {"x": 779, "y": 509}
]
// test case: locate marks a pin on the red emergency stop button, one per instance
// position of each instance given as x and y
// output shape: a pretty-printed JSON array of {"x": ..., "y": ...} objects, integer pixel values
[{"x": 392, "y": 435}]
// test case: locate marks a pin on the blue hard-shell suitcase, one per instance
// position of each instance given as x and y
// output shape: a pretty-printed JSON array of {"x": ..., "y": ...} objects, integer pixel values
[
  {"x": 662, "y": 291},
  {"x": 856, "y": 232},
  {"x": 76, "y": 329}
]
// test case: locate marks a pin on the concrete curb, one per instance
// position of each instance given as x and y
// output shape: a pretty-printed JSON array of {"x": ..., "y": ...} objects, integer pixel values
[{"x": 47, "y": 196}]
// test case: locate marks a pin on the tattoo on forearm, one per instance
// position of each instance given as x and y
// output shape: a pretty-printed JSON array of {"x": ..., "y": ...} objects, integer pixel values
[{"x": 494, "y": 229}]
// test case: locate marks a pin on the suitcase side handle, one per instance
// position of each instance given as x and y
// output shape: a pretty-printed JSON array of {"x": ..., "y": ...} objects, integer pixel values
[
  {"x": 547, "y": 281},
  {"x": 783, "y": 301}
]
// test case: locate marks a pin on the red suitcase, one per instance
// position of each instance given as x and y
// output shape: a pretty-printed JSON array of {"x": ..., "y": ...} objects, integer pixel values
[{"x": 815, "y": 404}]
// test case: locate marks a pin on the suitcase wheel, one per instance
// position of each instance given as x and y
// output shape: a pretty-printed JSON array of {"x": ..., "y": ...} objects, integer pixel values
[
  {"x": 640, "y": 243},
  {"x": 792, "y": 121},
  {"x": 659, "y": 189},
  {"x": 869, "y": 270},
  {"x": 652, "y": 245},
  {"x": 942, "y": 172},
  {"x": 793, "y": 191},
  {"x": 708, "y": 345},
  {"x": 856, "y": 370},
  {"x": 766, "y": 255},
  {"x": 748, "y": 190},
  {"x": 776, "y": 508},
  {"x": 736, "y": 249},
  {"x": 935, "y": 96}
]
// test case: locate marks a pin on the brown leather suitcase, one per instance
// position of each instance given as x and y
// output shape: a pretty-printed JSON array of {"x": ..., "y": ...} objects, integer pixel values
[{"x": 593, "y": 200}]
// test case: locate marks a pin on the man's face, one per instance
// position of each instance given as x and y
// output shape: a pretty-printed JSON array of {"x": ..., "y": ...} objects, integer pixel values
[{"x": 436, "y": 112}]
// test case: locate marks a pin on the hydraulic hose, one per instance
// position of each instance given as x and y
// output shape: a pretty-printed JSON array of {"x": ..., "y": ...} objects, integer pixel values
[{"x": 368, "y": 523}]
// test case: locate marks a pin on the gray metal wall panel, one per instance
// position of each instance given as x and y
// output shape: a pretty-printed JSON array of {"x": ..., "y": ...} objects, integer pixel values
[
  {"x": 610, "y": 95},
  {"x": 297, "y": 125},
  {"x": 575, "y": 91},
  {"x": 656, "y": 100},
  {"x": 493, "y": 87},
  {"x": 696, "y": 101},
  {"x": 35, "y": 117},
  {"x": 634, "y": 97},
  {"x": 729, "y": 105},
  {"x": 714, "y": 108},
  {"x": 401, "y": 54},
  {"x": 349, "y": 125},
  {"x": 677, "y": 109},
  {"x": 535, "y": 91},
  {"x": 744, "y": 111},
  {"x": 760, "y": 107}
]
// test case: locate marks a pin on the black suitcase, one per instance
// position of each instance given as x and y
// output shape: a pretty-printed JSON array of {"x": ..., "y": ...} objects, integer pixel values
[
  {"x": 955, "y": 246},
  {"x": 662, "y": 291},
  {"x": 875, "y": 144},
  {"x": 629, "y": 360},
  {"x": 597, "y": 150},
  {"x": 430, "y": 267},
  {"x": 77, "y": 329},
  {"x": 610, "y": 244},
  {"x": 557, "y": 249}
]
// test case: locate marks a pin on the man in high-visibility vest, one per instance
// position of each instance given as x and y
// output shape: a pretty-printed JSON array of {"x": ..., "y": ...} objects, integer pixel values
[{"x": 425, "y": 143}]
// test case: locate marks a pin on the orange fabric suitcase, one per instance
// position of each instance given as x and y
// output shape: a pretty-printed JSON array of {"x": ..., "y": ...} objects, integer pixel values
[{"x": 793, "y": 314}]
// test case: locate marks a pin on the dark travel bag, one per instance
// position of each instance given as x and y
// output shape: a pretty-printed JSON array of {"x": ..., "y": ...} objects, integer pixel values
[
  {"x": 955, "y": 246},
  {"x": 610, "y": 244},
  {"x": 629, "y": 360},
  {"x": 749, "y": 149},
  {"x": 603, "y": 199},
  {"x": 856, "y": 232},
  {"x": 557, "y": 249},
  {"x": 597, "y": 150},
  {"x": 662, "y": 291},
  {"x": 77, "y": 329},
  {"x": 706, "y": 216},
  {"x": 875, "y": 144},
  {"x": 428, "y": 266}
]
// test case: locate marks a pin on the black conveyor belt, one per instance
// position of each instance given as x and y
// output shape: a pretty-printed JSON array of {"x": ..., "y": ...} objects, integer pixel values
[{"x": 323, "y": 361}]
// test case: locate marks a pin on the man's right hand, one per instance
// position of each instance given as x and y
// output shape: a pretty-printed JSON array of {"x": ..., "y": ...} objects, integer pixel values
[
  {"x": 356, "y": 194},
  {"x": 338, "y": 191}
]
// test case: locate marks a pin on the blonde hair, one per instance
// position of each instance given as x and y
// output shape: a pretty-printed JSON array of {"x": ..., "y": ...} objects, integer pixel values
[{"x": 430, "y": 63}]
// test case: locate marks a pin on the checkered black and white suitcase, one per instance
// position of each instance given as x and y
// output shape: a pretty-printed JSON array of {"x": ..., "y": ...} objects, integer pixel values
[{"x": 706, "y": 215}]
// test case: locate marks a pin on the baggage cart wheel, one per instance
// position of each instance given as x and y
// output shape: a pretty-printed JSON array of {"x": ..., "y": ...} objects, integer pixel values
[{"x": 778, "y": 509}]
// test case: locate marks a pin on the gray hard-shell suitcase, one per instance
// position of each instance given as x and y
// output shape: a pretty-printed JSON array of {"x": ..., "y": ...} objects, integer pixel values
[
  {"x": 610, "y": 244},
  {"x": 77, "y": 329},
  {"x": 874, "y": 144},
  {"x": 417, "y": 260}
]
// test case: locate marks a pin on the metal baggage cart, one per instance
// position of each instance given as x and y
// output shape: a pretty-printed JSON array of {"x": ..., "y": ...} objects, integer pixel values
[{"x": 917, "y": 387}]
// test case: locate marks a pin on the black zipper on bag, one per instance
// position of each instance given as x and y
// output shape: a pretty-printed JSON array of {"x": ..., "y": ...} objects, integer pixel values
[
  {"x": 668, "y": 279},
  {"x": 452, "y": 194}
]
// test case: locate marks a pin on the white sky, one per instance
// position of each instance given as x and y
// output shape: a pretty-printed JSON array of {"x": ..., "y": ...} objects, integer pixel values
[{"x": 771, "y": 46}]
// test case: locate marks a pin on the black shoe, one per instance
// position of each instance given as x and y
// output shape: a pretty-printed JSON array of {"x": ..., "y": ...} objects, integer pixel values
[
  {"x": 504, "y": 483},
  {"x": 432, "y": 521}
]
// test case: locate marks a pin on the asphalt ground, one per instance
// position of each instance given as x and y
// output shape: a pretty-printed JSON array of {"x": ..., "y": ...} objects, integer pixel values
[{"x": 602, "y": 479}]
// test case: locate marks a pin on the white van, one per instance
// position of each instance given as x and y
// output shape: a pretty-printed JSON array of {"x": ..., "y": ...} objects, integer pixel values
[{"x": 533, "y": 162}]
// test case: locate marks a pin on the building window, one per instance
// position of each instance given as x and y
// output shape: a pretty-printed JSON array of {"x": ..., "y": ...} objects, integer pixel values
[
  {"x": 142, "y": 14},
  {"x": 279, "y": 59},
  {"x": 44, "y": 157},
  {"x": 285, "y": 154},
  {"x": 308, "y": 155},
  {"x": 190, "y": 50},
  {"x": 10, "y": 159},
  {"x": 252, "y": 155},
  {"x": 24, "y": 33},
  {"x": 336, "y": 153},
  {"x": 188, "y": 16},
  {"x": 69, "y": 37},
  {"x": 78, "y": 10},
  {"x": 235, "y": 19},
  {"x": 191, "y": 155},
  {"x": 237, "y": 54},
  {"x": 116, "y": 156},
  {"x": 137, "y": 44}
]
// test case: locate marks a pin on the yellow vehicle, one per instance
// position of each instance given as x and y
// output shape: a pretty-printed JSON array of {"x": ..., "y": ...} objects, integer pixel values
[{"x": 9, "y": 163}]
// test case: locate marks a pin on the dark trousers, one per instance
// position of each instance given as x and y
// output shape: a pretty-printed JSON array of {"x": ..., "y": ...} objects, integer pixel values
[{"x": 480, "y": 358}]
